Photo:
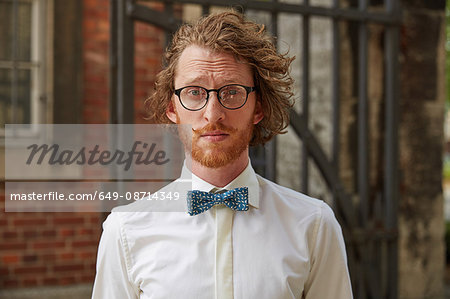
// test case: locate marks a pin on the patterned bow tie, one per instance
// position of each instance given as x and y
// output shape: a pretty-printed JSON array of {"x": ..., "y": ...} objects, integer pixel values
[{"x": 200, "y": 201}]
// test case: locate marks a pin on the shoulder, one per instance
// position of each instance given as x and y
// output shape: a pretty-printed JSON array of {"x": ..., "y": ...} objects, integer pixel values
[
  {"x": 114, "y": 224},
  {"x": 297, "y": 204},
  {"x": 289, "y": 196}
]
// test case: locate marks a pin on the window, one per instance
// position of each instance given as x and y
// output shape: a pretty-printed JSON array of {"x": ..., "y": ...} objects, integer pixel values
[{"x": 24, "y": 59}]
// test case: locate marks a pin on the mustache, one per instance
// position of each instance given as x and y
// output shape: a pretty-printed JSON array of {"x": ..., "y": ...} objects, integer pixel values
[{"x": 214, "y": 127}]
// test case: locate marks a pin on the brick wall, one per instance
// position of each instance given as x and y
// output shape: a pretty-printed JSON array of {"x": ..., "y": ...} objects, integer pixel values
[
  {"x": 54, "y": 249},
  {"x": 149, "y": 44},
  {"x": 43, "y": 249},
  {"x": 95, "y": 61}
]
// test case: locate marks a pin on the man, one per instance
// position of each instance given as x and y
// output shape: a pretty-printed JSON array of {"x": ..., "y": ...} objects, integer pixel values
[{"x": 242, "y": 236}]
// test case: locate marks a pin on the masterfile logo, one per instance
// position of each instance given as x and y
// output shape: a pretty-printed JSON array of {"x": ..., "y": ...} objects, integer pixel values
[
  {"x": 53, "y": 154},
  {"x": 94, "y": 152}
]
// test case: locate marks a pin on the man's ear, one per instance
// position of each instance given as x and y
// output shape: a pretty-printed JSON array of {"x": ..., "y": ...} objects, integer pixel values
[
  {"x": 171, "y": 112},
  {"x": 258, "y": 115}
]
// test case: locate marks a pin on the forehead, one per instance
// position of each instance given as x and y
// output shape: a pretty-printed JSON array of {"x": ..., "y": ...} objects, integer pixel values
[{"x": 200, "y": 65}]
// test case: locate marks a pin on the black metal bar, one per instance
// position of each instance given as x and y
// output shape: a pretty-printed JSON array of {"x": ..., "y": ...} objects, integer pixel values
[
  {"x": 326, "y": 169},
  {"x": 205, "y": 9},
  {"x": 352, "y": 263},
  {"x": 363, "y": 128},
  {"x": 274, "y": 21},
  {"x": 269, "y": 163},
  {"x": 113, "y": 62},
  {"x": 163, "y": 19},
  {"x": 125, "y": 63},
  {"x": 378, "y": 260},
  {"x": 348, "y": 14},
  {"x": 271, "y": 147},
  {"x": 113, "y": 77},
  {"x": 14, "y": 74},
  {"x": 336, "y": 91},
  {"x": 362, "y": 149},
  {"x": 168, "y": 10},
  {"x": 391, "y": 182},
  {"x": 305, "y": 97}
]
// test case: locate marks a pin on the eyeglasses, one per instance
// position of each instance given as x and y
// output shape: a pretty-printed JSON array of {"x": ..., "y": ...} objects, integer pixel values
[{"x": 232, "y": 96}]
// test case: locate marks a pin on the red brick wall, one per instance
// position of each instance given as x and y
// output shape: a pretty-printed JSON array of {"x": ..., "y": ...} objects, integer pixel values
[
  {"x": 95, "y": 61},
  {"x": 41, "y": 249},
  {"x": 38, "y": 249},
  {"x": 149, "y": 43}
]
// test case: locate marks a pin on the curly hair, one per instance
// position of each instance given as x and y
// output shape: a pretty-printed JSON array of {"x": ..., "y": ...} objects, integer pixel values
[{"x": 232, "y": 33}]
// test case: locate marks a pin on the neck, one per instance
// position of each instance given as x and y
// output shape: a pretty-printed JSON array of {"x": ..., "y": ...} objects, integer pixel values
[{"x": 222, "y": 176}]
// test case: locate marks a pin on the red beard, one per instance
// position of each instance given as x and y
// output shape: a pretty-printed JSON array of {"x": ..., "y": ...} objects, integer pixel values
[{"x": 219, "y": 154}]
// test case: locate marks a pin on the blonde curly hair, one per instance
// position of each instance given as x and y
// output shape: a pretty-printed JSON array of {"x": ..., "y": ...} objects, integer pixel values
[{"x": 232, "y": 33}]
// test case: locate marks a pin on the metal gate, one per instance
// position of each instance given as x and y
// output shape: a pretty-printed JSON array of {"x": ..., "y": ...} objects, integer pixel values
[{"x": 371, "y": 243}]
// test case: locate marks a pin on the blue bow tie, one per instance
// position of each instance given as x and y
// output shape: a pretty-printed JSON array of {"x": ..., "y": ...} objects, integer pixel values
[{"x": 200, "y": 201}]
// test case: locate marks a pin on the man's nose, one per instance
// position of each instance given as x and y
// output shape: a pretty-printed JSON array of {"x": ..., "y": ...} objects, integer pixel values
[{"x": 214, "y": 111}]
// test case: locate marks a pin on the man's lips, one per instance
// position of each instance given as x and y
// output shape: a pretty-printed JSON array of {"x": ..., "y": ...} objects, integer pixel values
[{"x": 214, "y": 135}]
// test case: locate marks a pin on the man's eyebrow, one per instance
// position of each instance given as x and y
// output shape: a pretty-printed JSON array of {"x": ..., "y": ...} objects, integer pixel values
[{"x": 196, "y": 80}]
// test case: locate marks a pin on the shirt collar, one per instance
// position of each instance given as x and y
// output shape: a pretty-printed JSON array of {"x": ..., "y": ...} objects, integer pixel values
[{"x": 247, "y": 178}]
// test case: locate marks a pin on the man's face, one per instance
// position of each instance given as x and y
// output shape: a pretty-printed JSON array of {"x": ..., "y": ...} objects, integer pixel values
[{"x": 220, "y": 135}]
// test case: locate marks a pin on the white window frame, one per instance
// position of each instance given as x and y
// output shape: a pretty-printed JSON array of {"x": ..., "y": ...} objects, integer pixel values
[{"x": 40, "y": 64}]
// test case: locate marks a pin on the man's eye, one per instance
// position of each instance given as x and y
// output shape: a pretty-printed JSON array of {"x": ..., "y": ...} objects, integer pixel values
[
  {"x": 229, "y": 92},
  {"x": 194, "y": 92}
]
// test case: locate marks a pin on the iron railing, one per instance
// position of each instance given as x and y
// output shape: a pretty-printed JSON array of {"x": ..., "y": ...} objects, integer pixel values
[{"x": 372, "y": 251}]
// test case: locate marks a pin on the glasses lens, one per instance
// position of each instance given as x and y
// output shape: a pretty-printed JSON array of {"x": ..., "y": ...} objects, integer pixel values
[
  {"x": 233, "y": 96},
  {"x": 193, "y": 97}
]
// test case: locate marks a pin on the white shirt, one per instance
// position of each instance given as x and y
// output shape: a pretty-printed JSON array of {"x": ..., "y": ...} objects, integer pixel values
[{"x": 287, "y": 245}]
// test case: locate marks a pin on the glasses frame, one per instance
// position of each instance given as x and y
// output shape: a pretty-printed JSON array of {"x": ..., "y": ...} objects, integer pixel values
[{"x": 248, "y": 89}]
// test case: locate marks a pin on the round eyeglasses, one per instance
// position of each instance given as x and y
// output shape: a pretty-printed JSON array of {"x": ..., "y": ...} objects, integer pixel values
[{"x": 232, "y": 96}]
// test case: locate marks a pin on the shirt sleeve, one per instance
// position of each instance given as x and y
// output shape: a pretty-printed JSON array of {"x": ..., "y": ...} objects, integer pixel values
[
  {"x": 112, "y": 279},
  {"x": 329, "y": 277}
]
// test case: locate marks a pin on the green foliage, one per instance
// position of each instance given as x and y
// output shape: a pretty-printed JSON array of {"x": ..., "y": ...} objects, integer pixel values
[
  {"x": 446, "y": 169},
  {"x": 447, "y": 241}
]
